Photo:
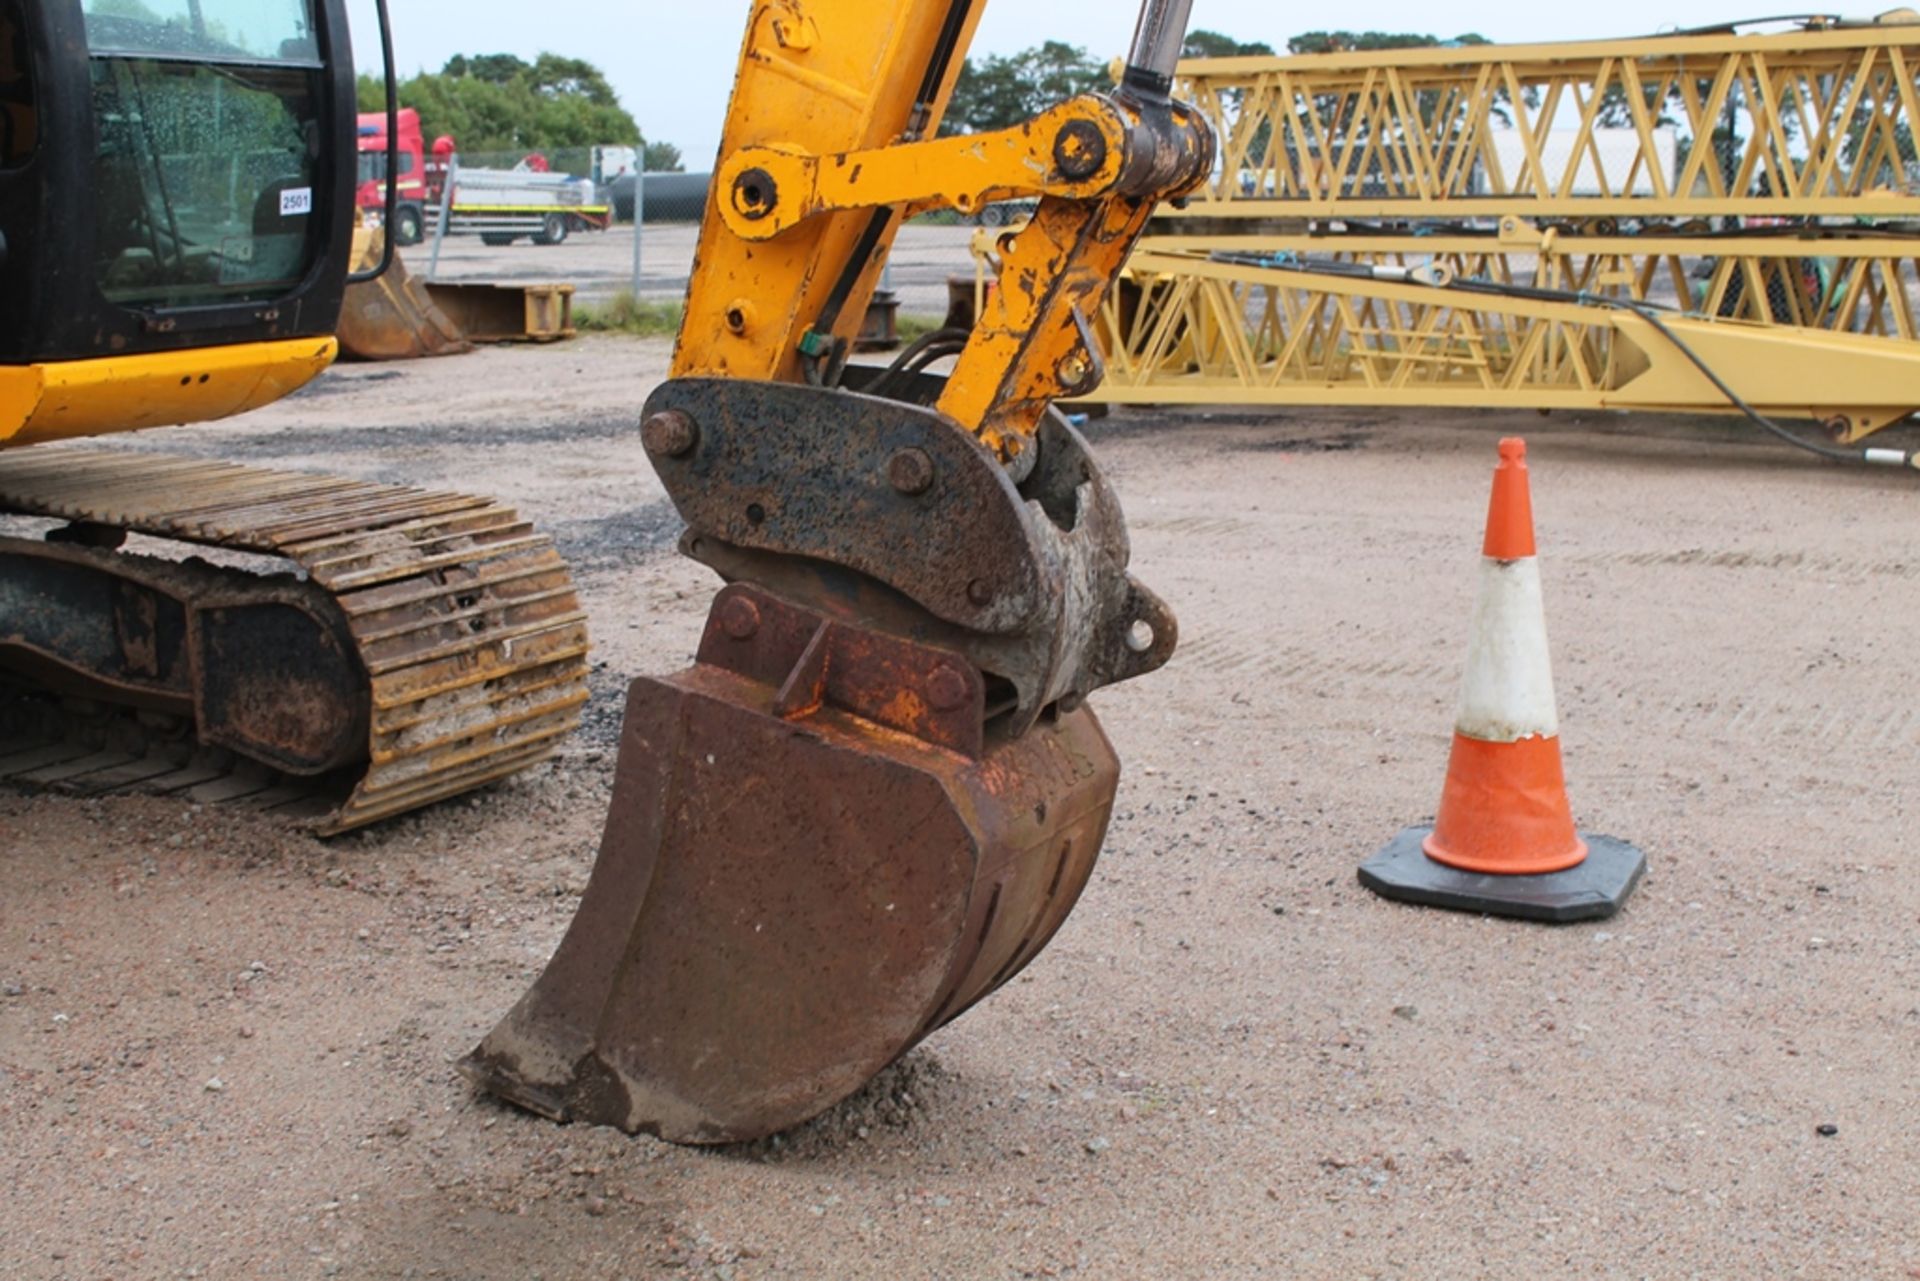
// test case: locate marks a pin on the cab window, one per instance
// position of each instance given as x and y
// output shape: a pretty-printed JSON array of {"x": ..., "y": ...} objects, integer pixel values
[
  {"x": 207, "y": 121},
  {"x": 373, "y": 165},
  {"x": 244, "y": 30}
]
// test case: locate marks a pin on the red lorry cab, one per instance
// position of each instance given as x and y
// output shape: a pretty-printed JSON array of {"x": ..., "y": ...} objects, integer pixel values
[
  {"x": 411, "y": 176},
  {"x": 373, "y": 157}
]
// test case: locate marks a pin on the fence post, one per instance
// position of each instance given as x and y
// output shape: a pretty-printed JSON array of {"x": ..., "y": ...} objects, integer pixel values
[
  {"x": 639, "y": 212},
  {"x": 446, "y": 212}
]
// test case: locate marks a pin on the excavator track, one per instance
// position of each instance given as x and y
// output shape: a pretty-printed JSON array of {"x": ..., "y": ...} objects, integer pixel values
[{"x": 420, "y": 644}]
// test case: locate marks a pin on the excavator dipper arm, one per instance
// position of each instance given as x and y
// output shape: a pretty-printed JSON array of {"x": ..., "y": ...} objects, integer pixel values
[{"x": 877, "y": 792}]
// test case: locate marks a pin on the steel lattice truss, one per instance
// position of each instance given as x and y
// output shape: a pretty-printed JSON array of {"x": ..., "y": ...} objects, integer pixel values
[
  {"x": 1821, "y": 124},
  {"x": 1787, "y": 245},
  {"x": 1205, "y": 332}
]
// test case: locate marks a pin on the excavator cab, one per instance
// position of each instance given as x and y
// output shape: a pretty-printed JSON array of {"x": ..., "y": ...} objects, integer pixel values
[{"x": 173, "y": 178}]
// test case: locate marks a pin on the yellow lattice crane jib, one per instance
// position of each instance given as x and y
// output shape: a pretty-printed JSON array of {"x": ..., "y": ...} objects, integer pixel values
[{"x": 1758, "y": 194}]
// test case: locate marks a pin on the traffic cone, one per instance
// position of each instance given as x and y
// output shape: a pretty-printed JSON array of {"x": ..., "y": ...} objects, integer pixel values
[{"x": 1504, "y": 840}]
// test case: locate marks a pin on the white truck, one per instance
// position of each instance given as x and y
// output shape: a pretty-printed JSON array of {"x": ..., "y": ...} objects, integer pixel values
[{"x": 502, "y": 205}]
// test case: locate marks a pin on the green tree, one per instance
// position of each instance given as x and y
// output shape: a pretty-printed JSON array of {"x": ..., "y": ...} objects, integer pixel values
[
  {"x": 499, "y": 102},
  {"x": 494, "y": 68},
  {"x": 1363, "y": 41},
  {"x": 553, "y": 76},
  {"x": 662, "y": 157},
  {"x": 999, "y": 92},
  {"x": 1211, "y": 44}
]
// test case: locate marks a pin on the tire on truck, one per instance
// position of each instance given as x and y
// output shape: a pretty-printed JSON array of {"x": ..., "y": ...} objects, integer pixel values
[
  {"x": 409, "y": 225},
  {"x": 553, "y": 230}
]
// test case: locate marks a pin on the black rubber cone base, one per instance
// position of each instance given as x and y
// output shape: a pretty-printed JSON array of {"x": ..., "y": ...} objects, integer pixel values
[{"x": 1594, "y": 888}]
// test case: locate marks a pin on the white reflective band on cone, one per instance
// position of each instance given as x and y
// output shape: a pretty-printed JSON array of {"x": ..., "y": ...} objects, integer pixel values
[{"x": 1508, "y": 692}]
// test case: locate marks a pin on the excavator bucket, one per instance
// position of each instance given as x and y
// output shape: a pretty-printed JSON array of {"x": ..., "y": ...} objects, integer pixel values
[
  {"x": 815, "y": 856},
  {"x": 393, "y": 317}
]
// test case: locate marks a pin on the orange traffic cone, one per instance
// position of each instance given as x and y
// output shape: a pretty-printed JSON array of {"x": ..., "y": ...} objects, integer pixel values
[{"x": 1504, "y": 840}]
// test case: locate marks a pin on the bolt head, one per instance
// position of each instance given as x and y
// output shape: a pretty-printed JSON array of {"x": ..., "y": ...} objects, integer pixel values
[
  {"x": 910, "y": 471},
  {"x": 1079, "y": 150},
  {"x": 946, "y": 689},
  {"x": 980, "y": 592},
  {"x": 740, "y": 618},
  {"x": 669, "y": 433}
]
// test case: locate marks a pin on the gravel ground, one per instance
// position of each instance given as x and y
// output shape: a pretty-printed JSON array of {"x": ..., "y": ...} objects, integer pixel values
[{"x": 226, "y": 1049}]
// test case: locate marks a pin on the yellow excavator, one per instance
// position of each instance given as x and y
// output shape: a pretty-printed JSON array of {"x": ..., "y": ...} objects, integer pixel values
[
  {"x": 878, "y": 791},
  {"x": 176, "y": 219}
]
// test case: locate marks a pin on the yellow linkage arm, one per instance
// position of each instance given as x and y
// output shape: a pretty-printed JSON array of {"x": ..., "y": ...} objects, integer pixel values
[
  {"x": 1073, "y": 150},
  {"x": 1033, "y": 342}
]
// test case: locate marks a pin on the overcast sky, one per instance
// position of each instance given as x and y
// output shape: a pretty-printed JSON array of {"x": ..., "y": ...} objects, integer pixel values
[{"x": 672, "y": 62}]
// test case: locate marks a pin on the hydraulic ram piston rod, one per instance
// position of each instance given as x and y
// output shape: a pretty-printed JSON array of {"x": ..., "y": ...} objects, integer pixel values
[{"x": 1157, "y": 42}]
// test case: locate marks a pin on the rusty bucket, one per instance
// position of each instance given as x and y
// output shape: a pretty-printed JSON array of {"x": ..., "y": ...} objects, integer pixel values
[
  {"x": 394, "y": 317},
  {"x": 815, "y": 856}
]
